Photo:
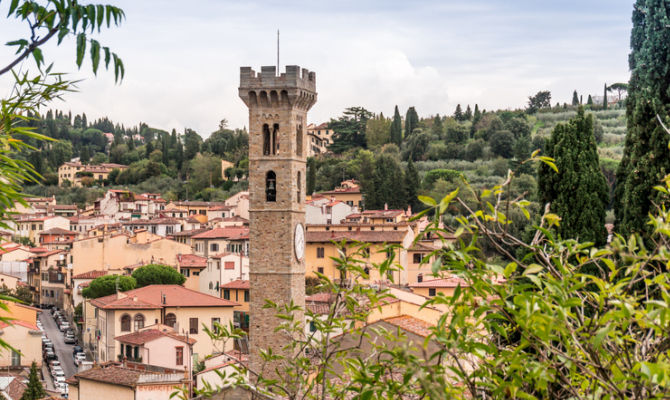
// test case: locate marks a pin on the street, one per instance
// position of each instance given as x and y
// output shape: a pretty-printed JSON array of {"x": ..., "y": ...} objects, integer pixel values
[{"x": 63, "y": 351}]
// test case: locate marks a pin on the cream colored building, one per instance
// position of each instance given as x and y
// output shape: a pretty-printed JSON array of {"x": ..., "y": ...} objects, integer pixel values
[
  {"x": 73, "y": 172},
  {"x": 319, "y": 137},
  {"x": 118, "y": 250},
  {"x": 157, "y": 346},
  {"x": 183, "y": 309},
  {"x": 23, "y": 334}
]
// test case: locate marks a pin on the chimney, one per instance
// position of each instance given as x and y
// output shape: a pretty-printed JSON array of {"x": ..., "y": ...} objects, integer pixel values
[
  {"x": 163, "y": 299},
  {"x": 409, "y": 211},
  {"x": 386, "y": 206}
]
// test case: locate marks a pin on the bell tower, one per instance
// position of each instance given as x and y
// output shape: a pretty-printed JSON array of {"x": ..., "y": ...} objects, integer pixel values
[{"x": 278, "y": 106}]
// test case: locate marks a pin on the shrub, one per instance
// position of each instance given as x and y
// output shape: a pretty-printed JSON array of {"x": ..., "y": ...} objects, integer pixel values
[{"x": 157, "y": 274}]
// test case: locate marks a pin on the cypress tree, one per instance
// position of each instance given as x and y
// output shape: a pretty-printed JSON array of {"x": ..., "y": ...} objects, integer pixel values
[
  {"x": 578, "y": 193},
  {"x": 589, "y": 101},
  {"x": 411, "y": 121},
  {"x": 34, "y": 389},
  {"x": 396, "y": 128},
  {"x": 311, "y": 175},
  {"x": 605, "y": 98},
  {"x": 467, "y": 116},
  {"x": 646, "y": 160},
  {"x": 575, "y": 98},
  {"x": 477, "y": 113},
  {"x": 388, "y": 183},
  {"x": 412, "y": 182},
  {"x": 458, "y": 113}
]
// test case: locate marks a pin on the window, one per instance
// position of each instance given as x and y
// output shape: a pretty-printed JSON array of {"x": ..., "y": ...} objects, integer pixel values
[
  {"x": 299, "y": 194},
  {"x": 215, "y": 321},
  {"x": 320, "y": 270},
  {"x": 266, "y": 140},
  {"x": 271, "y": 186},
  {"x": 226, "y": 294},
  {"x": 229, "y": 265},
  {"x": 419, "y": 278},
  {"x": 417, "y": 258},
  {"x": 298, "y": 140},
  {"x": 193, "y": 325},
  {"x": 246, "y": 296},
  {"x": 214, "y": 247},
  {"x": 320, "y": 252},
  {"x": 16, "y": 359},
  {"x": 186, "y": 272},
  {"x": 431, "y": 292},
  {"x": 312, "y": 326},
  {"x": 138, "y": 322},
  {"x": 125, "y": 323},
  {"x": 211, "y": 286},
  {"x": 179, "y": 353},
  {"x": 275, "y": 142},
  {"x": 171, "y": 320}
]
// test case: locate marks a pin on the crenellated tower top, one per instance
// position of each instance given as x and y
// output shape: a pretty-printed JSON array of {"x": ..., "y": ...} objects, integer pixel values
[{"x": 294, "y": 88}]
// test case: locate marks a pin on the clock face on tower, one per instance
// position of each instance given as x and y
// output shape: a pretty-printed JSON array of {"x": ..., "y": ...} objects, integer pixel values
[{"x": 299, "y": 241}]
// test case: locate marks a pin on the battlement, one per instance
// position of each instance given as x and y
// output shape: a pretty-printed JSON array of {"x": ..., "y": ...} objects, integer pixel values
[{"x": 267, "y": 79}]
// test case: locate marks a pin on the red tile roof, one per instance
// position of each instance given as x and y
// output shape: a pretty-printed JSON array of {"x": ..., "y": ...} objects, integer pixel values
[
  {"x": 191, "y": 260},
  {"x": 356, "y": 236},
  {"x": 142, "y": 337},
  {"x": 411, "y": 324},
  {"x": 223, "y": 233},
  {"x": 236, "y": 284},
  {"x": 90, "y": 275},
  {"x": 18, "y": 322},
  {"x": 117, "y": 375},
  {"x": 451, "y": 282},
  {"x": 150, "y": 297},
  {"x": 58, "y": 231}
]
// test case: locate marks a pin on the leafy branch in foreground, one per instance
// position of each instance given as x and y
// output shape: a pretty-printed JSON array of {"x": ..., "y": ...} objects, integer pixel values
[{"x": 63, "y": 18}]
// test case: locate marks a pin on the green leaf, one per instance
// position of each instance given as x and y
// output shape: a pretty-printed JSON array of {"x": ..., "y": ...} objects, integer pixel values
[
  {"x": 107, "y": 56},
  {"x": 95, "y": 55},
  {"x": 81, "y": 48},
  {"x": 37, "y": 54},
  {"x": 429, "y": 201},
  {"x": 100, "y": 15},
  {"x": 509, "y": 269},
  {"x": 12, "y": 7},
  {"x": 532, "y": 269},
  {"x": 62, "y": 33}
]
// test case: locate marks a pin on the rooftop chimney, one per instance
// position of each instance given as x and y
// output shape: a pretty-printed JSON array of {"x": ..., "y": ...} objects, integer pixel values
[{"x": 386, "y": 206}]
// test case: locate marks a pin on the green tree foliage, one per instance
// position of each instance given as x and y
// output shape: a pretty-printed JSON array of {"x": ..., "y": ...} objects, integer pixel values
[
  {"x": 458, "y": 113},
  {"x": 388, "y": 184},
  {"x": 395, "y": 131},
  {"x": 157, "y": 274},
  {"x": 575, "y": 98},
  {"x": 444, "y": 174},
  {"x": 204, "y": 171},
  {"x": 518, "y": 126},
  {"x": 192, "y": 143},
  {"x": 108, "y": 284},
  {"x": 378, "y": 131},
  {"x": 619, "y": 87},
  {"x": 412, "y": 184},
  {"x": 605, "y": 97},
  {"x": 589, "y": 101},
  {"x": 457, "y": 133},
  {"x": 438, "y": 128},
  {"x": 578, "y": 193},
  {"x": 349, "y": 129},
  {"x": 311, "y": 175},
  {"x": 539, "y": 101},
  {"x": 34, "y": 389},
  {"x": 467, "y": 115},
  {"x": 502, "y": 143},
  {"x": 411, "y": 121},
  {"x": 416, "y": 146},
  {"x": 646, "y": 160}
]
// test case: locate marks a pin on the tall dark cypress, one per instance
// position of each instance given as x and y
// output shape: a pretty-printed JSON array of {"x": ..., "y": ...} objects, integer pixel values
[
  {"x": 575, "y": 98},
  {"x": 605, "y": 98},
  {"x": 396, "y": 128},
  {"x": 646, "y": 159},
  {"x": 311, "y": 175},
  {"x": 411, "y": 121},
  {"x": 412, "y": 182},
  {"x": 578, "y": 193}
]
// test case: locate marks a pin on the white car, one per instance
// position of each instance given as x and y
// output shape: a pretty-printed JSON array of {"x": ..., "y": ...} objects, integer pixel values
[
  {"x": 64, "y": 326},
  {"x": 55, "y": 371},
  {"x": 59, "y": 376},
  {"x": 54, "y": 363},
  {"x": 79, "y": 357},
  {"x": 59, "y": 381}
]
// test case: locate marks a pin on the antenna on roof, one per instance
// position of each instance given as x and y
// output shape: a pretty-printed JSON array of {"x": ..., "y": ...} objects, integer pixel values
[{"x": 277, "y": 51}]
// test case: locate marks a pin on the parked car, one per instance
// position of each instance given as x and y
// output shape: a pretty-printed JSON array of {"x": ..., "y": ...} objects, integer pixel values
[
  {"x": 79, "y": 357},
  {"x": 64, "y": 326},
  {"x": 56, "y": 371},
  {"x": 49, "y": 354},
  {"x": 77, "y": 349},
  {"x": 70, "y": 340},
  {"x": 54, "y": 363}
]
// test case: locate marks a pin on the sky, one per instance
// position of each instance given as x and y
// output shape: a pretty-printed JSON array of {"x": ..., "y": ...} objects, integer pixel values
[{"x": 182, "y": 58}]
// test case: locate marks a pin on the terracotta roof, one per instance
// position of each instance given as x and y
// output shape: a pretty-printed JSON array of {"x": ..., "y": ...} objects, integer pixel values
[
  {"x": 12, "y": 386},
  {"x": 90, "y": 275},
  {"x": 116, "y": 375},
  {"x": 220, "y": 208},
  {"x": 451, "y": 282},
  {"x": 58, "y": 231},
  {"x": 411, "y": 324},
  {"x": 191, "y": 260},
  {"x": 18, "y": 322},
  {"x": 356, "y": 236},
  {"x": 150, "y": 297},
  {"x": 142, "y": 337},
  {"x": 343, "y": 190},
  {"x": 223, "y": 233},
  {"x": 188, "y": 233},
  {"x": 236, "y": 284},
  {"x": 155, "y": 221}
]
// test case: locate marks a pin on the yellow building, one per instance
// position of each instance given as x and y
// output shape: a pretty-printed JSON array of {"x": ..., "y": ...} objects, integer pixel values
[
  {"x": 445, "y": 286},
  {"x": 183, "y": 309},
  {"x": 238, "y": 291},
  {"x": 74, "y": 172},
  {"x": 23, "y": 334},
  {"x": 348, "y": 192},
  {"x": 321, "y": 247},
  {"x": 190, "y": 266}
]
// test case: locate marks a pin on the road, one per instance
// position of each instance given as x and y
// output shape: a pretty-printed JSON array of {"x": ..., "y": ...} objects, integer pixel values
[{"x": 63, "y": 351}]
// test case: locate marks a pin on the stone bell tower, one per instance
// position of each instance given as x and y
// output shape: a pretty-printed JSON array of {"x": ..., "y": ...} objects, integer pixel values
[{"x": 278, "y": 106}]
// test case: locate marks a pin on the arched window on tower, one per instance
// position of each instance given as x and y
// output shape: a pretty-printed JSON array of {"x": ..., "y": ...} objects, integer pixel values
[
  {"x": 270, "y": 186},
  {"x": 267, "y": 144},
  {"x": 299, "y": 199},
  {"x": 275, "y": 140},
  {"x": 298, "y": 140}
]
